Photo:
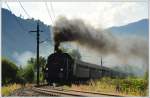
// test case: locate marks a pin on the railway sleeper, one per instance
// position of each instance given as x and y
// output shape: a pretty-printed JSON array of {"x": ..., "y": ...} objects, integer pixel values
[{"x": 47, "y": 93}]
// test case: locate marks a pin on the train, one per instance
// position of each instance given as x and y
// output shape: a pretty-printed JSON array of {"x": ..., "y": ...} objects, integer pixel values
[{"x": 62, "y": 68}]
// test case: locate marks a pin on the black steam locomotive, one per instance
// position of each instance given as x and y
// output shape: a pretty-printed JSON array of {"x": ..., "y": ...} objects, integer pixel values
[{"x": 62, "y": 68}]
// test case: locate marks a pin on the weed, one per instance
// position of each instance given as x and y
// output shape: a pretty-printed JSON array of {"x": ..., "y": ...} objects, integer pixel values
[{"x": 7, "y": 90}]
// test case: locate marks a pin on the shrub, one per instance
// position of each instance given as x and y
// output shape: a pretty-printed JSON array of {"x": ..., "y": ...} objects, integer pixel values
[
  {"x": 9, "y": 71},
  {"x": 28, "y": 73},
  {"x": 7, "y": 90}
]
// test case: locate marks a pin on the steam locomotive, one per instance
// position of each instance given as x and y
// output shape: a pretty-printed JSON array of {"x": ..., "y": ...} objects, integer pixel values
[{"x": 62, "y": 68}]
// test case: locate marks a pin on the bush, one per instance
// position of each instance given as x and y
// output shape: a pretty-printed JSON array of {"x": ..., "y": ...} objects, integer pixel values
[
  {"x": 28, "y": 73},
  {"x": 7, "y": 90},
  {"x": 134, "y": 85},
  {"x": 32, "y": 62},
  {"x": 127, "y": 87},
  {"x": 9, "y": 71}
]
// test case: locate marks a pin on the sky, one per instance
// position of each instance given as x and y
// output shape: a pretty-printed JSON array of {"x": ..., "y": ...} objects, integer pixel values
[{"x": 98, "y": 14}]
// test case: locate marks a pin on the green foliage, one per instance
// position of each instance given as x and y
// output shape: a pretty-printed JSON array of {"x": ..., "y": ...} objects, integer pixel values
[
  {"x": 134, "y": 85},
  {"x": 28, "y": 73},
  {"x": 7, "y": 90},
  {"x": 20, "y": 78},
  {"x": 146, "y": 75},
  {"x": 42, "y": 62},
  {"x": 129, "y": 85},
  {"x": 9, "y": 71},
  {"x": 32, "y": 66}
]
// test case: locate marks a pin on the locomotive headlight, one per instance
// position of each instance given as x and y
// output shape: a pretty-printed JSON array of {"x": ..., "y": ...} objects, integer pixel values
[
  {"x": 61, "y": 69},
  {"x": 46, "y": 68}
]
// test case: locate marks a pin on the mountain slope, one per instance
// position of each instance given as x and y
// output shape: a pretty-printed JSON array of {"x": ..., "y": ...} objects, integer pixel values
[
  {"x": 15, "y": 34},
  {"x": 139, "y": 28}
]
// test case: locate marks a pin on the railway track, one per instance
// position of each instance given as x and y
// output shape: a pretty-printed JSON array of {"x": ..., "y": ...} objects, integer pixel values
[{"x": 63, "y": 92}]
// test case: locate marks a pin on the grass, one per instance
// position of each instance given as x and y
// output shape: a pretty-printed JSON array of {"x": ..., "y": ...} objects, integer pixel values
[
  {"x": 7, "y": 90},
  {"x": 128, "y": 87}
]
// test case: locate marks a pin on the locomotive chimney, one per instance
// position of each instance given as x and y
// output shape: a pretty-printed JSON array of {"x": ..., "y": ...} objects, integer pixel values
[{"x": 56, "y": 49}]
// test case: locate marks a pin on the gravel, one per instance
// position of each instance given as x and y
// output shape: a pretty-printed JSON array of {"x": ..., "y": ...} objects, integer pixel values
[{"x": 25, "y": 92}]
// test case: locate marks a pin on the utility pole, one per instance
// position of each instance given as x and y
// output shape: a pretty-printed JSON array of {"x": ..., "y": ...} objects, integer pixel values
[
  {"x": 101, "y": 61},
  {"x": 37, "y": 56}
]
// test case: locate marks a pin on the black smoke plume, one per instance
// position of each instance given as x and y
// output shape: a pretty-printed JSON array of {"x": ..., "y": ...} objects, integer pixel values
[
  {"x": 77, "y": 30},
  {"x": 103, "y": 42}
]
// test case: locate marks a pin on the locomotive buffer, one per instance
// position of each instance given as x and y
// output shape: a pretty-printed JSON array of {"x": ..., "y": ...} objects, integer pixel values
[{"x": 37, "y": 57}]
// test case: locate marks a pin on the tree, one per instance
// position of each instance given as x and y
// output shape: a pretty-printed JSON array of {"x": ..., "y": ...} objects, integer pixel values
[
  {"x": 146, "y": 75},
  {"x": 28, "y": 73},
  {"x": 19, "y": 77},
  {"x": 42, "y": 62},
  {"x": 9, "y": 71}
]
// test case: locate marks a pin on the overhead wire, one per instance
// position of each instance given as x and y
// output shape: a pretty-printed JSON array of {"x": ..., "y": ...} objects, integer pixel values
[
  {"x": 24, "y": 9},
  {"x": 53, "y": 10},
  {"x": 50, "y": 15},
  {"x": 18, "y": 22},
  {"x": 21, "y": 26},
  {"x": 11, "y": 37},
  {"x": 49, "y": 12},
  {"x": 54, "y": 16},
  {"x": 29, "y": 15},
  {"x": 25, "y": 13}
]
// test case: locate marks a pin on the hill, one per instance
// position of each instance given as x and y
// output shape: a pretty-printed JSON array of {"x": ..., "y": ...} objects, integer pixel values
[
  {"x": 16, "y": 37},
  {"x": 139, "y": 28}
]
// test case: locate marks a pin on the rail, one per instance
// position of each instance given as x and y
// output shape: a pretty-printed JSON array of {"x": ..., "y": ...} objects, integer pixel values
[{"x": 64, "y": 92}]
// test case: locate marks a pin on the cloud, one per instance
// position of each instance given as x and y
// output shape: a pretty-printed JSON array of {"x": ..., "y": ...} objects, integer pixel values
[
  {"x": 22, "y": 58},
  {"x": 123, "y": 13}
]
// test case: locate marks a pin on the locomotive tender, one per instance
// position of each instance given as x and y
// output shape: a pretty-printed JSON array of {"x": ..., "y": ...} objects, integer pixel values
[{"x": 62, "y": 68}]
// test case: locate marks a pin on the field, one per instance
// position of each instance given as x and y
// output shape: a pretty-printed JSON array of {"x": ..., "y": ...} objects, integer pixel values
[{"x": 124, "y": 87}]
